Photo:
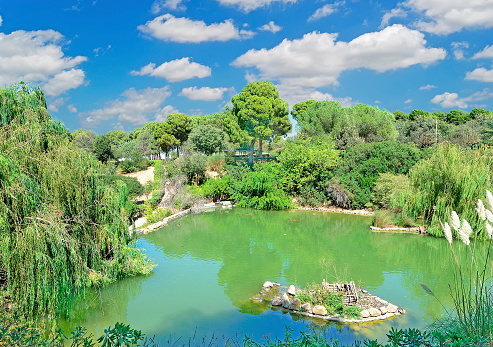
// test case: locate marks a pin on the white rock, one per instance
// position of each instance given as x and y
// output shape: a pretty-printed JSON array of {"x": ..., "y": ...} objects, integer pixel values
[
  {"x": 268, "y": 284},
  {"x": 319, "y": 310},
  {"x": 295, "y": 304},
  {"x": 374, "y": 312},
  {"x": 292, "y": 290},
  {"x": 285, "y": 301},
  {"x": 307, "y": 307},
  {"x": 277, "y": 301},
  {"x": 365, "y": 314},
  {"x": 383, "y": 309},
  {"x": 391, "y": 308}
]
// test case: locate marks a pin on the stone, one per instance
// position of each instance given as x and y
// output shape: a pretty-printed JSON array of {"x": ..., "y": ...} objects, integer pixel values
[
  {"x": 391, "y": 308},
  {"x": 319, "y": 310},
  {"x": 285, "y": 301},
  {"x": 307, "y": 307},
  {"x": 277, "y": 301},
  {"x": 295, "y": 304},
  {"x": 365, "y": 314},
  {"x": 383, "y": 309},
  {"x": 292, "y": 290},
  {"x": 374, "y": 312},
  {"x": 268, "y": 284}
]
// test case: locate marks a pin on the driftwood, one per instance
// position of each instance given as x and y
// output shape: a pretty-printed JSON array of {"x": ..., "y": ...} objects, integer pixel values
[{"x": 349, "y": 289}]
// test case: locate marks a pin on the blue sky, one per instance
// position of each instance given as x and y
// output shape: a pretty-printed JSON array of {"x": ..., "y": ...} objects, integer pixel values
[{"x": 108, "y": 64}]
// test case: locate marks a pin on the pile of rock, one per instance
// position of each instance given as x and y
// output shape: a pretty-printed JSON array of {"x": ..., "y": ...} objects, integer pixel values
[{"x": 373, "y": 307}]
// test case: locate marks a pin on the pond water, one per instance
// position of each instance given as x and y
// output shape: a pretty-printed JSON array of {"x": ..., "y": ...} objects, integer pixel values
[{"x": 210, "y": 264}]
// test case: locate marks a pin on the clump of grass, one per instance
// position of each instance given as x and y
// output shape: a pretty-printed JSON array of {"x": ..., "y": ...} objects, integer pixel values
[
  {"x": 382, "y": 219},
  {"x": 155, "y": 214}
]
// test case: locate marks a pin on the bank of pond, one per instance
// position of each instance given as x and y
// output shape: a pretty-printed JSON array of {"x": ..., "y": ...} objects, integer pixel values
[{"x": 211, "y": 264}]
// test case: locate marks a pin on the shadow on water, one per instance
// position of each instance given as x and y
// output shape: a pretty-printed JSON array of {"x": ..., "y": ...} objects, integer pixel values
[{"x": 209, "y": 265}]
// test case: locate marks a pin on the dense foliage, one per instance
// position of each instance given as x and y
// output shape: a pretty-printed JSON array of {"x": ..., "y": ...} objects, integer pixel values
[{"x": 61, "y": 227}]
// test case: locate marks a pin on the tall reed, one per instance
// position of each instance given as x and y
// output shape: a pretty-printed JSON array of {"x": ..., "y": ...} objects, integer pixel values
[{"x": 61, "y": 227}]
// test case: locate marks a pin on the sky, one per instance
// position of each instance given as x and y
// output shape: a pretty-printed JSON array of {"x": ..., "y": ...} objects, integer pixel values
[{"x": 107, "y": 65}]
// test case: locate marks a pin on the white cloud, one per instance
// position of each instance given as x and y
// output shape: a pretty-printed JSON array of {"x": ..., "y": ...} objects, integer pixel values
[
  {"x": 427, "y": 87},
  {"x": 451, "y": 100},
  {"x": 295, "y": 94},
  {"x": 250, "y": 5},
  {"x": 174, "y": 5},
  {"x": 445, "y": 17},
  {"x": 458, "y": 52},
  {"x": 71, "y": 108},
  {"x": 480, "y": 74},
  {"x": 487, "y": 52},
  {"x": 55, "y": 104},
  {"x": 324, "y": 11},
  {"x": 37, "y": 57},
  {"x": 1, "y": 21},
  {"x": 204, "y": 93},
  {"x": 408, "y": 101},
  {"x": 318, "y": 59},
  {"x": 63, "y": 81},
  {"x": 175, "y": 70},
  {"x": 102, "y": 50},
  {"x": 394, "y": 13},
  {"x": 377, "y": 102},
  {"x": 272, "y": 27},
  {"x": 135, "y": 107},
  {"x": 170, "y": 28},
  {"x": 164, "y": 113}
]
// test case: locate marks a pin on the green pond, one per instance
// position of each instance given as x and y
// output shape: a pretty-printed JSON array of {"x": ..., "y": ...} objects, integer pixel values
[{"x": 211, "y": 264}]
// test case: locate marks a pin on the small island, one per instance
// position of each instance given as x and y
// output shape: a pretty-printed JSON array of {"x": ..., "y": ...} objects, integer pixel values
[{"x": 341, "y": 302}]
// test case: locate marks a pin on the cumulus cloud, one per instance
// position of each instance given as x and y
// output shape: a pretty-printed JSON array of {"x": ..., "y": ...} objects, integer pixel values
[
  {"x": 71, "y": 108},
  {"x": 394, "y": 13},
  {"x": 165, "y": 112},
  {"x": 37, "y": 57},
  {"x": 1, "y": 21},
  {"x": 295, "y": 94},
  {"x": 204, "y": 93},
  {"x": 55, "y": 104},
  {"x": 451, "y": 100},
  {"x": 486, "y": 53},
  {"x": 318, "y": 59},
  {"x": 480, "y": 74},
  {"x": 324, "y": 11},
  {"x": 408, "y": 101},
  {"x": 458, "y": 52},
  {"x": 250, "y": 5},
  {"x": 135, "y": 107},
  {"x": 427, "y": 87},
  {"x": 174, "y": 5},
  {"x": 184, "y": 30},
  {"x": 175, "y": 70},
  {"x": 271, "y": 26},
  {"x": 445, "y": 17}
]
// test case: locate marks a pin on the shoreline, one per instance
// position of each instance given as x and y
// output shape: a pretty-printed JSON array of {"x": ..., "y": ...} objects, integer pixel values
[{"x": 336, "y": 210}]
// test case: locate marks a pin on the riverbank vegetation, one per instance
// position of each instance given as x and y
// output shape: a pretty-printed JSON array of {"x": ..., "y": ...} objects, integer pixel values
[{"x": 65, "y": 210}]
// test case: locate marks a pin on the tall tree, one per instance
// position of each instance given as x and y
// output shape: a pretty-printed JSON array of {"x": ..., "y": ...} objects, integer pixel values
[
  {"x": 178, "y": 125},
  {"x": 207, "y": 139},
  {"x": 300, "y": 108},
  {"x": 258, "y": 109},
  {"x": 102, "y": 148}
]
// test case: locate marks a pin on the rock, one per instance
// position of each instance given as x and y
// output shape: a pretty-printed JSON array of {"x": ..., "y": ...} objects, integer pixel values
[
  {"x": 268, "y": 284},
  {"x": 277, "y": 301},
  {"x": 319, "y": 310},
  {"x": 365, "y": 314},
  {"x": 391, "y": 308},
  {"x": 295, "y": 304},
  {"x": 307, "y": 307},
  {"x": 285, "y": 301},
  {"x": 261, "y": 292},
  {"x": 292, "y": 290},
  {"x": 374, "y": 312},
  {"x": 383, "y": 309}
]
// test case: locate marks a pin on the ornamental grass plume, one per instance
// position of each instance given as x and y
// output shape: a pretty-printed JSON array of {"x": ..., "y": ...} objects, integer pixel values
[
  {"x": 465, "y": 232},
  {"x": 489, "y": 216},
  {"x": 455, "y": 221},
  {"x": 447, "y": 232},
  {"x": 481, "y": 210},
  {"x": 489, "y": 230}
]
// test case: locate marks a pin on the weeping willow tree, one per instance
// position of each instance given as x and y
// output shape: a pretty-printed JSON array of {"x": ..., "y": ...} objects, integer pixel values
[
  {"x": 452, "y": 179},
  {"x": 61, "y": 227}
]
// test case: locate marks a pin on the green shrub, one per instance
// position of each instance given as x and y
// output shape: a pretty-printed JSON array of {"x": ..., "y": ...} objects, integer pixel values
[
  {"x": 258, "y": 189},
  {"x": 311, "y": 196},
  {"x": 237, "y": 170},
  {"x": 154, "y": 214},
  {"x": 389, "y": 187},
  {"x": 217, "y": 189},
  {"x": 193, "y": 167},
  {"x": 382, "y": 219},
  {"x": 216, "y": 162},
  {"x": 133, "y": 185}
]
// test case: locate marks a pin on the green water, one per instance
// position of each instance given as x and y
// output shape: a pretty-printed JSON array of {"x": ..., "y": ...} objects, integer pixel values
[{"x": 210, "y": 264}]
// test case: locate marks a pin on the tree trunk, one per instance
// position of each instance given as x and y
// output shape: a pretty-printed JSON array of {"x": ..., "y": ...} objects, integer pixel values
[
  {"x": 260, "y": 147},
  {"x": 250, "y": 158}
]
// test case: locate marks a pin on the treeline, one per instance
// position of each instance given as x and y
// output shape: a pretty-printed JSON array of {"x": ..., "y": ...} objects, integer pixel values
[
  {"x": 62, "y": 226},
  {"x": 419, "y": 165}
]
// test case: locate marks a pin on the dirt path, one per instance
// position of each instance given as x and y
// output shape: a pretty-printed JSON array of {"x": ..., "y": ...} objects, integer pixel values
[{"x": 143, "y": 176}]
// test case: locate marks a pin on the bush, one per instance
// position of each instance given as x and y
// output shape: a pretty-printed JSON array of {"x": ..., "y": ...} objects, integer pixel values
[
  {"x": 389, "y": 187},
  {"x": 311, "y": 196},
  {"x": 237, "y": 170},
  {"x": 217, "y": 189},
  {"x": 216, "y": 162},
  {"x": 193, "y": 167},
  {"x": 339, "y": 195},
  {"x": 154, "y": 214},
  {"x": 382, "y": 219},
  {"x": 258, "y": 189},
  {"x": 133, "y": 185}
]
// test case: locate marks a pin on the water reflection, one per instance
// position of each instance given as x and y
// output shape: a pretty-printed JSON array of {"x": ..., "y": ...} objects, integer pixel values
[{"x": 211, "y": 264}]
